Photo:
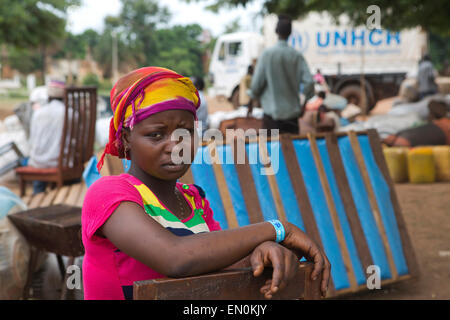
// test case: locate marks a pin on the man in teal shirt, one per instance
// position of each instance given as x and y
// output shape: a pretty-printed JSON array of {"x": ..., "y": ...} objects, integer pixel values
[{"x": 276, "y": 82}]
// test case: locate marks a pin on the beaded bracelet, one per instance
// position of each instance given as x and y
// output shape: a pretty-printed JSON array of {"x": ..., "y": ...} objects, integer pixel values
[{"x": 279, "y": 230}]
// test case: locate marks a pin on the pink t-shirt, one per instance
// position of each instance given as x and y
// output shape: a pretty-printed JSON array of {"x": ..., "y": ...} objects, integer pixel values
[{"x": 108, "y": 273}]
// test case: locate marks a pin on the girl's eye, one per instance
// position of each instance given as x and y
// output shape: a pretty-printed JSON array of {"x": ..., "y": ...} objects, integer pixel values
[{"x": 154, "y": 135}]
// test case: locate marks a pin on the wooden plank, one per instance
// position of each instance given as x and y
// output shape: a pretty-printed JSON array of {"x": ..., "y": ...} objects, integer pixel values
[
  {"x": 223, "y": 190},
  {"x": 300, "y": 189},
  {"x": 408, "y": 249},
  {"x": 36, "y": 200},
  {"x": 89, "y": 149},
  {"x": 301, "y": 194},
  {"x": 27, "y": 199},
  {"x": 333, "y": 212},
  {"x": 80, "y": 129},
  {"x": 249, "y": 139},
  {"x": 70, "y": 137},
  {"x": 270, "y": 174},
  {"x": 383, "y": 284},
  {"x": 247, "y": 185},
  {"x": 49, "y": 197},
  {"x": 226, "y": 285},
  {"x": 61, "y": 195},
  {"x": 372, "y": 200},
  {"x": 348, "y": 202},
  {"x": 74, "y": 193},
  {"x": 82, "y": 193}
]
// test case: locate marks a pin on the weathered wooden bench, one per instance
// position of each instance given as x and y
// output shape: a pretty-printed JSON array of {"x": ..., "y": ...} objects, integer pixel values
[
  {"x": 55, "y": 229},
  {"x": 239, "y": 284}
]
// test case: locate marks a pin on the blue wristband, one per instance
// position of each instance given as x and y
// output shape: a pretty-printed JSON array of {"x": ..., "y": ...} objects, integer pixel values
[{"x": 279, "y": 230}]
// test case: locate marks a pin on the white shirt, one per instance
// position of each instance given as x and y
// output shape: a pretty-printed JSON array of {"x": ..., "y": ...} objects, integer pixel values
[{"x": 45, "y": 134}]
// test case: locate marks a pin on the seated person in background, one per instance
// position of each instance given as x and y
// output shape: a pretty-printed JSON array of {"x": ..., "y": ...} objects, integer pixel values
[
  {"x": 426, "y": 78},
  {"x": 315, "y": 103},
  {"x": 317, "y": 117},
  {"x": 46, "y": 127}
]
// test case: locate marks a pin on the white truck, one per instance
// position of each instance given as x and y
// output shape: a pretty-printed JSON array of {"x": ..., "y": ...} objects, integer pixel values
[{"x": 348, "y": 57}]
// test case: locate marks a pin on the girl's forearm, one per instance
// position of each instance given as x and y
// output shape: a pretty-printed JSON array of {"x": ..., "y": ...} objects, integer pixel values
[{"x": 207, "y": 252}]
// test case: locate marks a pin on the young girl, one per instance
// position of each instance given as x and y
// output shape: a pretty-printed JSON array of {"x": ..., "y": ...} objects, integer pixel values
[{"x": 145, "y": 225}]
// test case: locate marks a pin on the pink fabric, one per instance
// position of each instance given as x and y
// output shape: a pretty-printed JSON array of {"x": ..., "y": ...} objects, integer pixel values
[
  {"x": 319, "y": 78},
  {"x": 314, "y": 105},
  {"x": 105, "y": 268}
]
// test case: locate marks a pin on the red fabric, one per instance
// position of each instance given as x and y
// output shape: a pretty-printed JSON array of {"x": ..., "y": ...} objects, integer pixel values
[
  {"x": 124, "y": 92},
  {"x": 35, "y": 170}
]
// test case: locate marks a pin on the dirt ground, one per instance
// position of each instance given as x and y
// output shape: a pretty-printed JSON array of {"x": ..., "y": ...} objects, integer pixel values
[{"x": 426, "y": 211}]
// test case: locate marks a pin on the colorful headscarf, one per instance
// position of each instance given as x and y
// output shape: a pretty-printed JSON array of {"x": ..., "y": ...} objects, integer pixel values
[{"x": 144, "y": 92}]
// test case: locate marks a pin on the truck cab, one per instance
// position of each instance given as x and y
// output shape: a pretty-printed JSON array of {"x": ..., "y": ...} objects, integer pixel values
[{"x": 232, "y": 55}]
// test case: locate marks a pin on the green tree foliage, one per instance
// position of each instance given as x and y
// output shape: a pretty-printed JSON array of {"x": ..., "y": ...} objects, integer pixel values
[
  {"x": 439, "y": 50},
  {"x": 141, "y": 31},
  {"x": 72, "y": 47},
  {"x": 31, "y": 23},
  {"x": 24, "y": 60},
  {"x": 179, "y": 49},
  {"x": 143, "y": 39},
  {"x": 128, "y": 54},
  {"x": 139, "y": 20},
  {"x": 28, "y": 28},
  {"x": 233, "y": 26},
  {"x": 91, "y": 80}
]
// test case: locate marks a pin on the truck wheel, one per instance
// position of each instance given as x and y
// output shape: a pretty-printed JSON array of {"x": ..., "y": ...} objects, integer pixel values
[
  {"x": 235, "y": 98},
  {"x": 352, "y": 93}
]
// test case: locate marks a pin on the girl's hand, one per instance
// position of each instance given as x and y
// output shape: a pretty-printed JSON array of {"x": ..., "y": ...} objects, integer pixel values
[
  {"x": 303, "y": 246},
  {"x": 283, "y": 261}
]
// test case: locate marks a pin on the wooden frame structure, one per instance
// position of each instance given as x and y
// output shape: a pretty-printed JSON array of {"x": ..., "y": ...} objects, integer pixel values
[{"x": 336, "y": 187}]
